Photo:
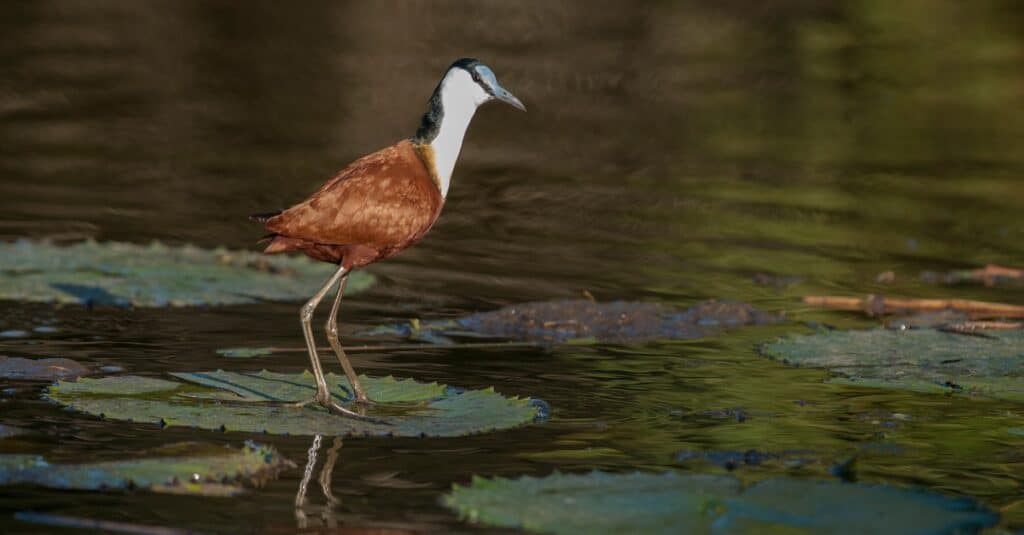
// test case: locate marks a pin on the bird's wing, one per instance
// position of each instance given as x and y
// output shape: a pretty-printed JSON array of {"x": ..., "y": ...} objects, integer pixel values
[{"x": 383, "y": 200}]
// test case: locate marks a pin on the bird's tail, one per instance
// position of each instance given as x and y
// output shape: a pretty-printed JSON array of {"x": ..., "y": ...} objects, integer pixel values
[
  {"x": 263, "y": 217},
  {"x": 282, "y": 244}
]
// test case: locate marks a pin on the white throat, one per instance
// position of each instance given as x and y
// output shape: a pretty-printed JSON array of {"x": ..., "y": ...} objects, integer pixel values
[{"x": 460, "y": 97}]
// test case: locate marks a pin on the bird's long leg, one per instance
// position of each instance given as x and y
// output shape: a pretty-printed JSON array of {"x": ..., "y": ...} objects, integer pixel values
[
  {"x": 332, "y": 337},
  {"x": 323, "y": 393}
]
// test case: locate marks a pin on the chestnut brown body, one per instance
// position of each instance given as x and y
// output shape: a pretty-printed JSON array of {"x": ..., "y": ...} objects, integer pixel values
[{"x": 373, "y": 209}]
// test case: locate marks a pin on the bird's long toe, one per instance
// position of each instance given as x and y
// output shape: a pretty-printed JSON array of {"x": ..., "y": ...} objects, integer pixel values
[
  {"x": 302, "y": 404},
  {"x": 334, "y": 408}
]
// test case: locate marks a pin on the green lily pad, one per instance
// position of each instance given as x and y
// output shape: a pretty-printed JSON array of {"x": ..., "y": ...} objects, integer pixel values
[
  {"x": 701, "y": 503},
  {"x": 245, "y": 352},
  {"x": 923, "y": 360},
  {"x": 583, "y": 321},
  {"x": 187, "y": 468},
  {"x": 257, "y": 402},
  {"x": 156, "y": 275},
  {"x": 47, "y": 369}
]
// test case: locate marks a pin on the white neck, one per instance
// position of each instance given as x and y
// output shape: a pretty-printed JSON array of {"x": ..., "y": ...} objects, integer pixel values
[{"x": 460, "y": 97}]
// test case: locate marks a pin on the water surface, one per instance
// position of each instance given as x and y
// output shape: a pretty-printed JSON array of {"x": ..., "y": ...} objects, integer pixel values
[{"x": 672, "y": 151}]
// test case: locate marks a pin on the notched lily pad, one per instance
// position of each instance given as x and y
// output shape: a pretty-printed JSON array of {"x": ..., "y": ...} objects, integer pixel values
[
  {"x": 47, "y": 369},
  {"x": 700, "y": 503},
  {"x": 156, "y": 275},
  {"x": 924, "y": 360},
  {"x": 257, "y": 402},
  {"x": 187, "y": 468},
  {"x": 586, "y": 321}
]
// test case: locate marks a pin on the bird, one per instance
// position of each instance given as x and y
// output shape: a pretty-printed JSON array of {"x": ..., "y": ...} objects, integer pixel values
[{"x": 379, "y": 205}]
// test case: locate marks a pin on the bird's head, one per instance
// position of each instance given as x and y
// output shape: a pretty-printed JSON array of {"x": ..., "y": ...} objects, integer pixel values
[
  {"x": 473, "y": 80},
  {"x": 465, "y": 86}
]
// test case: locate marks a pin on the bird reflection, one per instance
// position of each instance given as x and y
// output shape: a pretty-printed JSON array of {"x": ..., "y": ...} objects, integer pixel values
[{"x": 326, "y": 472}]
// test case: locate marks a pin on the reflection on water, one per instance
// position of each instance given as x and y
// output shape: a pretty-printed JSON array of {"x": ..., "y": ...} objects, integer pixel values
[
  {"x": 324, "y": 479},
  {"x": 672, "y": 152}
]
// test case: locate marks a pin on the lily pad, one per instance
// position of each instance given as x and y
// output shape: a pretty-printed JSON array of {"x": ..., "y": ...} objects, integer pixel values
[
  {"x": 257, "y": 402},
  {"x": 700, "y": 503},
  {"x": 187, "y": 468},
  {"x": 156, "y": 275},
  {"x": 583, "y": 320},
  {"x": 47, "y": 369},
  {"x": 924, "y": 360}
]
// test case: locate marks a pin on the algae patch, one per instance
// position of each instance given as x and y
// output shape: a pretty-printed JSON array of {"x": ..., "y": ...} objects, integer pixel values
[{"x": 585, "y": 321}]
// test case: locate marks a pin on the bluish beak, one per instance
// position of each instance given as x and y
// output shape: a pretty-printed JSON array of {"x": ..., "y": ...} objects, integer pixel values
[{"x": 503, "y": 95}]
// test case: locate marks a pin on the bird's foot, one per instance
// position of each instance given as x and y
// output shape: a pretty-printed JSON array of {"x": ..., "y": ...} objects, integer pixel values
[
  {"x": 302, "y": 404},
  {"x": 329, "y": 404},
  {"x": 334, "y": 408}
]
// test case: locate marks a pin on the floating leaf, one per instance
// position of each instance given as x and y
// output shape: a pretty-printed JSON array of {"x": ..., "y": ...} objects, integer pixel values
[
  {"x": 187, "y": 468},
  {"x": 673, "y": 503},
  {"x": 40, "y": 369},
  {"x": 582, "y": 320},
  {"x": 7, "y": 431},
  {"x": 13, "y": 333},
  {"x": 245, "y": 352},
  {"x": 257, "y": 402},
  {"x": 923, "y": 360},
  {"x": 156, "y": 275}
]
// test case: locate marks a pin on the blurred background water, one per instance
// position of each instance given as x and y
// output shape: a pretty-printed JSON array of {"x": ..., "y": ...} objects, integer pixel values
[{"x": 672, "y": 151}]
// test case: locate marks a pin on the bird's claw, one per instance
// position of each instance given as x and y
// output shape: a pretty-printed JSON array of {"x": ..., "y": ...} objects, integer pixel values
[{"x": 364, "y": 401}]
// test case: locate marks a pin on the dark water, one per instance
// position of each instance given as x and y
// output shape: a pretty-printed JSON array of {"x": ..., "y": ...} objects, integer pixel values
[{"x": 671, "y": 151}]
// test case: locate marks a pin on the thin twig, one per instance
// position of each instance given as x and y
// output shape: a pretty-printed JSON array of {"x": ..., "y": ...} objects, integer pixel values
[
  {"x": 994, "y": 270},
  {"x": 408, "y": 347},
  {"x": 971, "y": 326},
  {"x": 877, "y": 305}
]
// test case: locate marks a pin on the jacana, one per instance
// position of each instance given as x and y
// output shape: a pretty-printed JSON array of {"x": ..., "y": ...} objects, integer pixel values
[{"x": 381, "y": 204}]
